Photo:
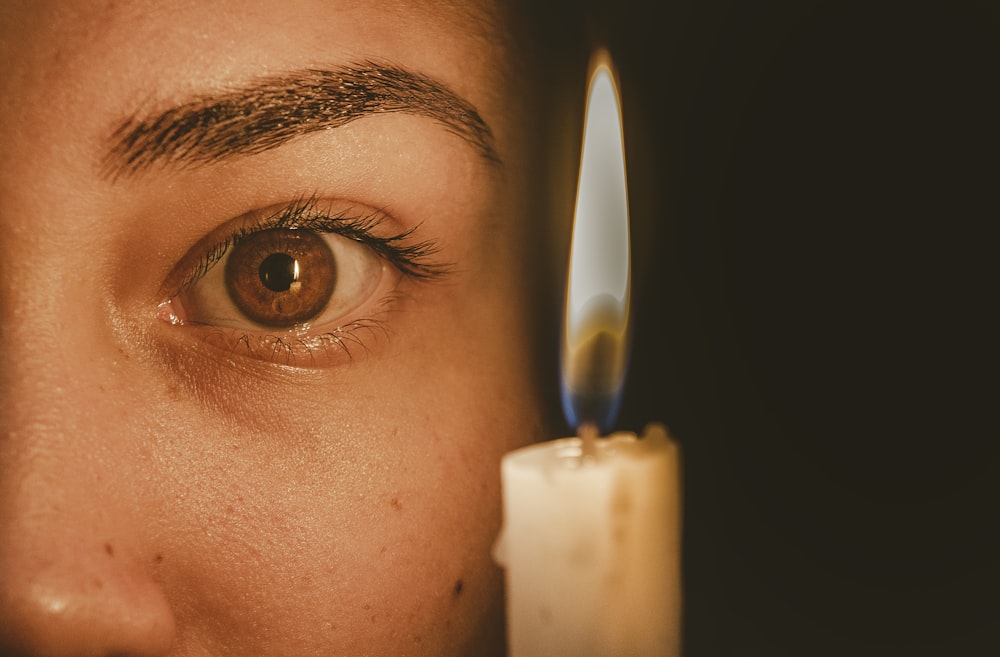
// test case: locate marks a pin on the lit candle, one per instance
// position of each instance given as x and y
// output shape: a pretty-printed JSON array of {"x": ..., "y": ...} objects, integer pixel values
[{"x": 591, "y": 537}]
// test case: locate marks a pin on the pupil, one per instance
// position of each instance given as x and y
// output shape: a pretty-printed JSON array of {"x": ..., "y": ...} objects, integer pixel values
[{"x": 277, "y": 272}]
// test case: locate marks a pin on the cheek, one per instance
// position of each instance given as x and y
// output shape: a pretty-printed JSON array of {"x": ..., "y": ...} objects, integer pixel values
[{"x": 371, "y": 519}]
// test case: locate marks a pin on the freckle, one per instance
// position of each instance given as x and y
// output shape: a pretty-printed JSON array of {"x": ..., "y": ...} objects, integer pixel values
[
  {"x": 99, "y": 584},
  {"x": 158, "y": 558},
  {"x": 110, "y": 551},
  {"x": 395, "y": 504},
  {"x": 459, "y": 585}
]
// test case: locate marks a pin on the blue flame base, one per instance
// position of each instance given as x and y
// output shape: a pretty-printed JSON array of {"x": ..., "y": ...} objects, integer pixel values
[{"x": 599, "y": 409}]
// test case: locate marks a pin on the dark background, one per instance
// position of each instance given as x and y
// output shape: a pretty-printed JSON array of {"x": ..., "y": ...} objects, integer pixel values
[{"x": 813, "y": 188}]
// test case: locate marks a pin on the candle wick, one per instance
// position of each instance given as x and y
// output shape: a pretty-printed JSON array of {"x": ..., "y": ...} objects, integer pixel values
[{"x": 589, "y": 433}]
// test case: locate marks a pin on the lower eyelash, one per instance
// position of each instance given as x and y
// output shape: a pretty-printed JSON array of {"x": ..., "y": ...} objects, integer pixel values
[
  {"x": 300, "y": 348},
  {"x": 292, "y": 349}
]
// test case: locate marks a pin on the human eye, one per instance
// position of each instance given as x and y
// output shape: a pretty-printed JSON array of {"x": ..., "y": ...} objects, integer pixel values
[{"x": 296, "y": 284}]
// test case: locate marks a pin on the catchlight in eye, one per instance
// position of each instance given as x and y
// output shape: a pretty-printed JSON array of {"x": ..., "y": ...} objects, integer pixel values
[{"x": 281, "y": 277}]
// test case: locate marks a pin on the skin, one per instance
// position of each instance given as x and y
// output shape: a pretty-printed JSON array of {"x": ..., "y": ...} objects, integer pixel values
[{"x": 164, "y": 493}]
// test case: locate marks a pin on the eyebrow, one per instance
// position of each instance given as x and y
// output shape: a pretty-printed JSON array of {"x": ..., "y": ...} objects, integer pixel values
[{"x": 272, "y": 111}]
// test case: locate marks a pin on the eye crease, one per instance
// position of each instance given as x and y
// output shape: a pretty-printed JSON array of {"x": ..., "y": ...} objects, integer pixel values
[{"x": 291, "y": 281}]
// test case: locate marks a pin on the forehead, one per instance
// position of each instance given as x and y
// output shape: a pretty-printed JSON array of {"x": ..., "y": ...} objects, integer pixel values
[
  {"x": 136, "y": 37},
  {"x": 81, "y": 66},
  {"x": 77, "y": 23}
]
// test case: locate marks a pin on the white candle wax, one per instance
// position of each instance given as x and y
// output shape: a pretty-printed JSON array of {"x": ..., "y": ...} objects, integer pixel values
[{"x": 591, "y": 547}]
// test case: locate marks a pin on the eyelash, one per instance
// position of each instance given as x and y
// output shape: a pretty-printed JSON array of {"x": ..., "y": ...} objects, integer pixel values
[{"x": 412, "y": 259}]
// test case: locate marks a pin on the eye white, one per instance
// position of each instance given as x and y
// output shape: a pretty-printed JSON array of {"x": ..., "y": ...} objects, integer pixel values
[{"x": 359, "y": 271}]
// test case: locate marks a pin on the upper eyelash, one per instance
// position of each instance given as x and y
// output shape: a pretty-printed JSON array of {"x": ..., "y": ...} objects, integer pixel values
[{"x": 410, "y": 259}]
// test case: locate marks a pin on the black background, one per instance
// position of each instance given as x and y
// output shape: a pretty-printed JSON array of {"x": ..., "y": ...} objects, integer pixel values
[{"x": 813, "y": 188}]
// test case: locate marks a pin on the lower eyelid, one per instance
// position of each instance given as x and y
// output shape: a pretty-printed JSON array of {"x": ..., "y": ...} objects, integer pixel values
[{"x": 305, "y": 348}]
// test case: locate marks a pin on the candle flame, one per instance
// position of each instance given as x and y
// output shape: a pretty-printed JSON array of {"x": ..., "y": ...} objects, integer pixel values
[{"x": 595, "y": 325}]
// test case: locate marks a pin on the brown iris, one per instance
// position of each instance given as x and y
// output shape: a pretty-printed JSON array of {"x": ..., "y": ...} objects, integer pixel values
[{"x": 281, "y": 277}]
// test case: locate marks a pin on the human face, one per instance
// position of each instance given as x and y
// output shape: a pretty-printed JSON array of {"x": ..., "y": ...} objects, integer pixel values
[{"x": 182, "y": 474}]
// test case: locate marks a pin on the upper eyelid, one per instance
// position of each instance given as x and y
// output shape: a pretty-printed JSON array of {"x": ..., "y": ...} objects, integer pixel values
[
  {"x": 412, "y": 258},
  {"x": 277, "y": 219}
]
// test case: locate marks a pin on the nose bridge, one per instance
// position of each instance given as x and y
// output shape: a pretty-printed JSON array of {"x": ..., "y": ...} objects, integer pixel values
[
  {"x": 55, "y": 403},
  {"x": 64, "y": 426},
  {"x": 56, "y": 369},
  {"x": 56, "y": 341},
  {"x": 74, "y": 570}
]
